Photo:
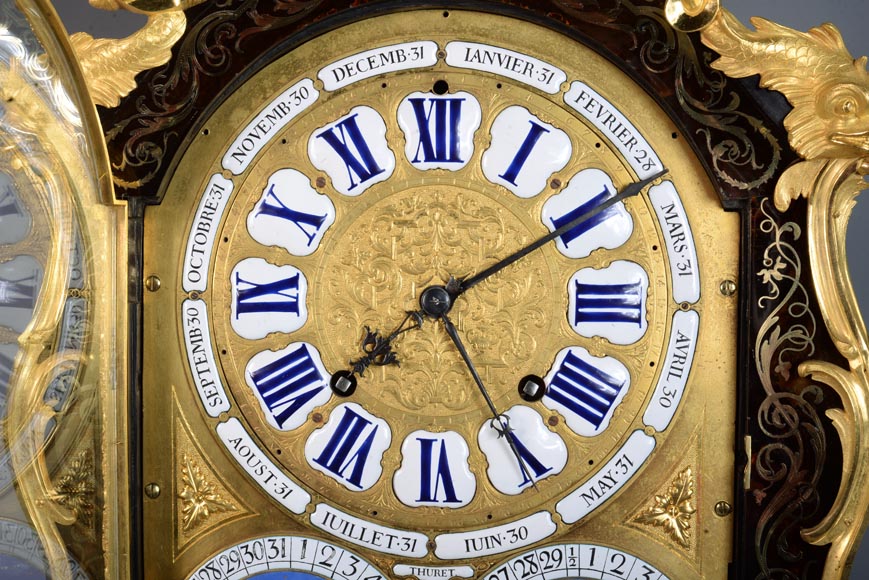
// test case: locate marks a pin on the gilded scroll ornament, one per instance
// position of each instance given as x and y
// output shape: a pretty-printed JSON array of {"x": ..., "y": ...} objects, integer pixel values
[
  {"x": 825, "y": 84},
  {"x": 144, "y": 6},
  {"x": 31, "y": 127},
  {"x": 829, "y": 128},
  {"x": 51, "y": 149},
  {"x": 673, "y": 511},
  {"x": 110, "y": 65},
  {"x": 691, "y": 15}
]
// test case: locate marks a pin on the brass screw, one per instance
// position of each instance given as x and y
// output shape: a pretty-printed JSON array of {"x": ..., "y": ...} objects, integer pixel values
[
  {"x": 152, "y": 490},
  {"x": 728, "y": 288},
  {"x": 553, "y": 421},
  {"x": 153, "y": 283},
  {"x": 723, "y": 508},
  {"x": 321, "y": 182}
]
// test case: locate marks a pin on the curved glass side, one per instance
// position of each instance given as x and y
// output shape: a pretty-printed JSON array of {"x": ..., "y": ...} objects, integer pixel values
[{"x": 63, "y": 450}]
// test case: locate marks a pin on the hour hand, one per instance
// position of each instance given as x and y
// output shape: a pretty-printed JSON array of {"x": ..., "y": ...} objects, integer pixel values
[{"x": 378, "y": 352}]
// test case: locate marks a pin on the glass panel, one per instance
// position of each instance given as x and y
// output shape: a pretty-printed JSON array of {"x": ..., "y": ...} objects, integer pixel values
[{"x": 62, "y": 496}]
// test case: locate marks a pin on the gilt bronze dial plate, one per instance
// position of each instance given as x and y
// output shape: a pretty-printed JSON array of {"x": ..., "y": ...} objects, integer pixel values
[{"x": 326, "y": 194}]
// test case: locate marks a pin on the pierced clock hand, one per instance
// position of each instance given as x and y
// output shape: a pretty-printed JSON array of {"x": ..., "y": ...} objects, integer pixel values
[
  {"x": 378, "y": 352},
  {"x": 457, "y": 287},
  {"x": 500, "y": 422}
]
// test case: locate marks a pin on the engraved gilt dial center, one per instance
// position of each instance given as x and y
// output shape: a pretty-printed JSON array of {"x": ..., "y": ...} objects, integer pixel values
[{"x": 394, "y": 255}]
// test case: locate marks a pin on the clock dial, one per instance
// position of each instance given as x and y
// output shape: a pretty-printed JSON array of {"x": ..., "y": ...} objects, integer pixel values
[
  {"x": 317, "y": 207},
  {"x": 577, "y": 561},
  {"x": 280, "y": 557},
  {"x": 40, "y": 298},
  {"x": 21, "y": 274},
  {"x": 412, "y": 208}
]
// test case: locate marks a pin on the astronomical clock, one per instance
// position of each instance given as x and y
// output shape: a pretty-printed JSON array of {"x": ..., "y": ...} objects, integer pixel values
[{"x": 380, "y": 290}]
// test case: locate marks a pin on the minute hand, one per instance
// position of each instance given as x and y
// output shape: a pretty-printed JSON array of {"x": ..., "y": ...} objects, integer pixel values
[
  {"x": 504, "y": 424},
  {"x": 629, "y": 191}
]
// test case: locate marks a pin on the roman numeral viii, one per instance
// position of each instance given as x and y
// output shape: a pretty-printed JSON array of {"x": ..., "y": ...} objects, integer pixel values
[{"x": 289, "y": 385}]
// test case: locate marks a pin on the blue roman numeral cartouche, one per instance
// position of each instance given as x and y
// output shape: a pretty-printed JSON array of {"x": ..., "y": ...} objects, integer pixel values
[
  {"x": 531, "y": 462},
  {"x": 288, "y": 383},
  {"x": 9, "y": 204},
  {"x": 6, "y": 364},
  {"x": 253, "y": 297},
  {"x": 524, "y": 151},
  {"x": 609, "y": 303},
  {"x": 435, "y": 476},
  {"x": 584, "y": 390},
  {"x": 19, "y": 293},
  {"x": 583, "y": 227},
  {"x": 308, "y": 223},
  {"x": 348, "y": 447},
  {"x": 339, "y": 136},
  {"x": 438, "y": 129}
]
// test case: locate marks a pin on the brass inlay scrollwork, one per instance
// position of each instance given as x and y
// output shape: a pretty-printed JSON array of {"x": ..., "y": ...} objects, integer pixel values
[
  {"x": 776, "y": 346},
  {"x": 742, "y": 151},
  {"x": 790, "y": 466},
  {"x": 817, "y": 74},
  {"x": 829, "y": 128},
  {"x": 210, "y": 48}
]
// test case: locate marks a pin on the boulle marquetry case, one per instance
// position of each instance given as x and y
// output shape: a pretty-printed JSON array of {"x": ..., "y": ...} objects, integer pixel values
[{"x": 367, "y": 290}]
